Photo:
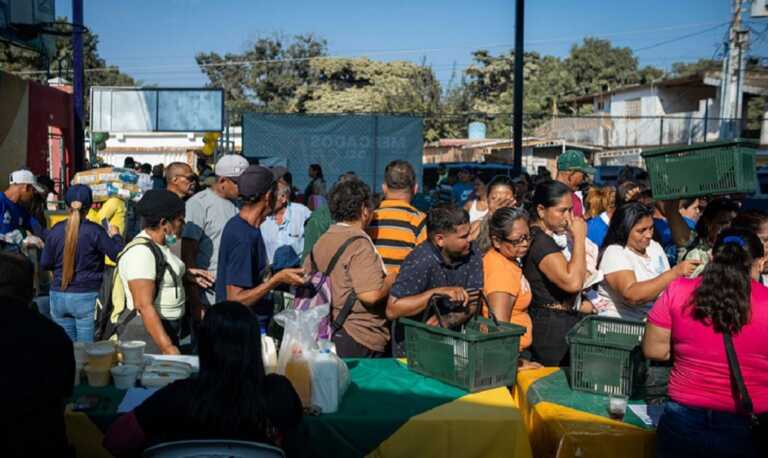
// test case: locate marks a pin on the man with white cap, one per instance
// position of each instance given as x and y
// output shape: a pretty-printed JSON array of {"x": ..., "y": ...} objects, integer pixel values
[
  {"x": 21, "y": 190},
  {"x": 206, "y": 214}
]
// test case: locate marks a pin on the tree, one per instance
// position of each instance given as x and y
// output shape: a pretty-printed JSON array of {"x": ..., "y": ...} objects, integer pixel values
[
  {"x": 596, "y": 66},
  {"x": 689, "y": 68},
  {"x": 267, "y": 76},
  {"x": 37, "y": 67}
]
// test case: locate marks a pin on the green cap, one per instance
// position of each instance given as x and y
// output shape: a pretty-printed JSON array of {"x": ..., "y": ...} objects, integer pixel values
[{"x": 573, "y": 159}]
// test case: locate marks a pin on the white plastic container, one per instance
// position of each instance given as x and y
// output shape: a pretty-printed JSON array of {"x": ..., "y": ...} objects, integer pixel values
[
  {"x": 269, "y": 354},
  {"x": 326, "y": 387},
  {"x": 125, "y": 376},
  {"x": 133, "y": 352}
]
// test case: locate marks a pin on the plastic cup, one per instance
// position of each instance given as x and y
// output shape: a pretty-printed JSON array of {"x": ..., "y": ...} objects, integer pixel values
[
  {"x": 125, "y": 376},
  {"x": 97, "y": 377},
  {"x": 133, "y": 352},
  {"x": 81, "y": 354},
  {"x": 617, "y": 407},
  {"x": 101, "y": 355}
]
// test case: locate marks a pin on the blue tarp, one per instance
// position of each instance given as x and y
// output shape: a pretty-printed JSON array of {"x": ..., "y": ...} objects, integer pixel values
[{"x": 364, "y": 144}]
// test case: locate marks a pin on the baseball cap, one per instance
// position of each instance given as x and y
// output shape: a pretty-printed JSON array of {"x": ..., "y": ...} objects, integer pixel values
[
  {"x": 573, "y": 159},
  {"x": 79, "y": 193},
  {"x": 230, "y": 166},
  {"x": 24, "y": 176},
  {"x": 160, "y": 203},
  {"x": 255, "y": 181}
]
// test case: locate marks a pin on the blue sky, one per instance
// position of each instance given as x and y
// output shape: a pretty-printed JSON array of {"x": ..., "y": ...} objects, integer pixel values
[{"x": 156, "y": 40}]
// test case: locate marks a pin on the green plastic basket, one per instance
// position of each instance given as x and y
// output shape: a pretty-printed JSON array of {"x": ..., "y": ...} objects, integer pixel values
[
  {"x": 606, "y": 357},
  {"x": 483, "y": 356},
  {"x": 725, "y": 167}
]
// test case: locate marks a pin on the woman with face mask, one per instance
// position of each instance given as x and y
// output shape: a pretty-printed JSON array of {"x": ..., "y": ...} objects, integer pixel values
[
  {"x": 157, "y": 297},
  {"x": 556, "y": 268}
]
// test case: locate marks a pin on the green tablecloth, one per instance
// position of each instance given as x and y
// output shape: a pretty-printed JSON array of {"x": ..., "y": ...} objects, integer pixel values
[
  {"x": 383, "y": 396},
  {"x": 554, "y": 388}
]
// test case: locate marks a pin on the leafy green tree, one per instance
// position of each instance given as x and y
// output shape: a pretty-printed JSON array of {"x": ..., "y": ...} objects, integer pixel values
[{"x": 597, "y": 65}]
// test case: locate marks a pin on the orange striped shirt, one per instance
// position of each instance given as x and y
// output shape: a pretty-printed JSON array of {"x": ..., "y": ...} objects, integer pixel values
[{"x": 396, "y": 229}]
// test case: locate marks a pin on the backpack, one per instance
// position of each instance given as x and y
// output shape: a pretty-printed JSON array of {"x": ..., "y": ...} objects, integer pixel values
[
  {"x": 318, "y": 291},
  {"x": 113, "y": 316}
]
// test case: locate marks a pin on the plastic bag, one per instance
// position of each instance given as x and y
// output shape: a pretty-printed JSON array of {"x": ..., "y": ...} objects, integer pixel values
[{"x": 300, "y": 333}]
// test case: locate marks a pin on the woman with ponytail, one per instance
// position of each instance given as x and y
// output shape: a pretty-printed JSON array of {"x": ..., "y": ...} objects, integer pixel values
[
  {"x": 691, "y": 321},
  {"x": 74, "y": 251}
]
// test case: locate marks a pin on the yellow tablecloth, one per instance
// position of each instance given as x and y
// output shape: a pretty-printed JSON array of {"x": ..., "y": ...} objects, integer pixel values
[{"x": 562, "y": 432}]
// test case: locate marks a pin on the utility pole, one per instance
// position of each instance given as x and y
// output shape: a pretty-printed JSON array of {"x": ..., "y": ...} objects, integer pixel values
[
  {"x": 517, "y": 124},
  {"x": 77, "y": 83},
  {"x": 734, "y": 66}
]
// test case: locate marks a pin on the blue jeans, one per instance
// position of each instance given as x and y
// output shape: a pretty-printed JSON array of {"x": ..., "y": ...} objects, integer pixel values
[
  {"x": 693, "y": 432},
  {"x": 75, "y": 313}
]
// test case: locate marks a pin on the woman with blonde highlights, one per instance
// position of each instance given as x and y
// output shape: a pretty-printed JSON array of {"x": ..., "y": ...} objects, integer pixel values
[{"x": 74, "y": 251}]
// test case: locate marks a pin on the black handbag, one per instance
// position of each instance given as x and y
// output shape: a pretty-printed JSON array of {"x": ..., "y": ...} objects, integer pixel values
[{"x": 758, "y": 423}]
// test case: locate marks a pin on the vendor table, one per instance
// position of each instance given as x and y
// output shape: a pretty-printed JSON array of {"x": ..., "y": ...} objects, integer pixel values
[
  {"x": 388, "y": 411},
  {"x": 563, "y": 423}
]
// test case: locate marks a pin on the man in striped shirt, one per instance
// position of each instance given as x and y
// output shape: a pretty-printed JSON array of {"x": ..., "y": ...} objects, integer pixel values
[{"x": 397, "y": 227}]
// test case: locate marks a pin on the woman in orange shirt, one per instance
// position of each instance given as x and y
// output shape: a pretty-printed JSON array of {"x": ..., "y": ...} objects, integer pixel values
[{"x": 508, "y": 292}]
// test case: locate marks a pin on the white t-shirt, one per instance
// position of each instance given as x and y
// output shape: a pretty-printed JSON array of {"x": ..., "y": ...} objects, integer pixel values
[
  {"x": 139, "y": 264},
  {"x": 617, "y": 258}
]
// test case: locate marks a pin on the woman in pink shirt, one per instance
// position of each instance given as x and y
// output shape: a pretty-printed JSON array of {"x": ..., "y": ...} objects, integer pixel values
[{"x": 703, "y": 417}]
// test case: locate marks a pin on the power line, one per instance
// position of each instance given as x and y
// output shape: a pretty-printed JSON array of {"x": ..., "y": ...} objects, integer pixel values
[
  {"x": 386, "y": 52},
  {"x": 662, "y": 43}
]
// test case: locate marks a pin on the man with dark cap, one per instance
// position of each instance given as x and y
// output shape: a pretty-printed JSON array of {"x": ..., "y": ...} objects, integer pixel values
[
  {"x": 206, "y": 214},
  {"x": 242, "y": 255}
]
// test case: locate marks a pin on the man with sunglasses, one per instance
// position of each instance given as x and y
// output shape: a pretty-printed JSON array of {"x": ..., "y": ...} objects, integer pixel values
[
  {"x": 180, "y": 179},
  {"x": 206, "y": 214}
]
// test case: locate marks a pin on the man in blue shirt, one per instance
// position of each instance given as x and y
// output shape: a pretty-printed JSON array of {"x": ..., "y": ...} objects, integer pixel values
[
  {"x": 23, "y": 185},
  {"x": 284, "y": 230},
  {"x": 463, "y": 188},
  {"x": 242, "y": 255}
]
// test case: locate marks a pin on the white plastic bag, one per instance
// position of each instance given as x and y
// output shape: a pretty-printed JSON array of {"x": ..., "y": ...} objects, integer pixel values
[{"x": 300, "y": 332}]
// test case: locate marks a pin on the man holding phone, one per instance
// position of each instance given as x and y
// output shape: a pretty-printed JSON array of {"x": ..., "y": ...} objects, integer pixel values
[{"x": 446, "y": 265}]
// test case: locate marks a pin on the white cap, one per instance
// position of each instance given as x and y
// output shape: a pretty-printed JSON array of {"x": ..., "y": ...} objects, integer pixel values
[
  {"x": 231, "y": 166},
  {"x": 24, "y": 176}
]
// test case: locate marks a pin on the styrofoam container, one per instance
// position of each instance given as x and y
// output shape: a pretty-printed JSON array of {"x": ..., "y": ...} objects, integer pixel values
[
  {"x": 133, "y": 351},
  {"x": 101, "y": 355},
  {"x": 125, "y": 376},
  {"x": 97, "y": 377}
]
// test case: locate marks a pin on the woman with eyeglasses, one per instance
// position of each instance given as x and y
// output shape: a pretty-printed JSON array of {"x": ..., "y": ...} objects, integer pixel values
[
  {"x": 556, "y": 266},
  {"x": 635, "y": 266},
  {"x": 507, "y": 290}
]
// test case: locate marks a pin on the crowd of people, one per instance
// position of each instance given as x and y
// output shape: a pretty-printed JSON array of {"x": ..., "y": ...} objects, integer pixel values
[{"x": 207, "y": 266}]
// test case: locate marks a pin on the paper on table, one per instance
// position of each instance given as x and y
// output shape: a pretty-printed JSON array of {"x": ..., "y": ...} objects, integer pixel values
[
  {"x": 193, "y": 361},
  {"x": 133, "y": 398},
  {"x": 648, "y": 416}
]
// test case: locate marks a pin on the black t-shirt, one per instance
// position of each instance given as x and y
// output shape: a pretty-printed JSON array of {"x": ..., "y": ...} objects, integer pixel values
[
  {"x": 38, "y": 376},
  {"x": 545, "y": 292},
  {"x": 166, "y": 415}
]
